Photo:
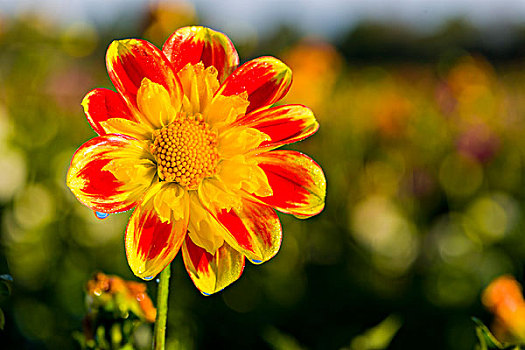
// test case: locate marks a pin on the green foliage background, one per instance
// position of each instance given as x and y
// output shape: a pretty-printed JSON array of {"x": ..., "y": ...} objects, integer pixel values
[{"x": 422, "y": 142}]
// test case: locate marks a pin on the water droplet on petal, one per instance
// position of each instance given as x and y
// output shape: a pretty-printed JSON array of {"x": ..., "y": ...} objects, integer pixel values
[{"x": 101, "y": 215}]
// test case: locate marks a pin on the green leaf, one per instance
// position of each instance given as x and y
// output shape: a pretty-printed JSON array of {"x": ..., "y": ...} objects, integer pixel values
[
  {"x": 280, "y": 341},
  {"x": 2, "y": 319},
  {"x": 378, "y": 337},
  {"x": 486, "y": 338}
]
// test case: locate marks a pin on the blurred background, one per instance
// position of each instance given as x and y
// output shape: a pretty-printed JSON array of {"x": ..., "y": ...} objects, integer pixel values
[{"x": 422, "y": 139}]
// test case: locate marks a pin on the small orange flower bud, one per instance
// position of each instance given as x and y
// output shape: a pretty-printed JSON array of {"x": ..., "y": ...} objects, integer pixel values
[{"x": 128, "y": 295}]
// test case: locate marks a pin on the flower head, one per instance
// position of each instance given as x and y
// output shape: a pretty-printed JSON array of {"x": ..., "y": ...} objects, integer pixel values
[{"x": 189, "y": 141}]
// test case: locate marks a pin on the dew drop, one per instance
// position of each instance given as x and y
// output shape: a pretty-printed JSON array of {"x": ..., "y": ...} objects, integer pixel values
[{"x": 100, "y": 215}]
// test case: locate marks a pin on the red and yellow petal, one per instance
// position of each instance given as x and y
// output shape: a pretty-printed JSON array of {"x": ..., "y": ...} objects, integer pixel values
[
  {"x": 129, "y": 61},
  {"x": 283, "y": 124},
  {"x": 103, "y": 104},
  {"x": 297, "y": 181},
  {"x": 152, "y": 241},
  {"x": 92, "y": 180},
  {"x": 251, "y": 228},
  {"x": 200, "y": 44},
  {"x": 212, "y": 273},
  {"x": 265, "y": 79}
]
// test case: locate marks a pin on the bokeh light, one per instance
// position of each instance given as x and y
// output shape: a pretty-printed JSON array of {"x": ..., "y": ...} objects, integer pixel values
[{"x": 421, "y": 138}]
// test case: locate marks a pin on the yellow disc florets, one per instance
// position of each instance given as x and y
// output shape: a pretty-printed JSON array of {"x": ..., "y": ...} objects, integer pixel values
[{"x": 185, "y": 151}]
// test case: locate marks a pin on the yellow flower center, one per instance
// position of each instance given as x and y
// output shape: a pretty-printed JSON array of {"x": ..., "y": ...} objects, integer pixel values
[{"x": 185, "y": 151}]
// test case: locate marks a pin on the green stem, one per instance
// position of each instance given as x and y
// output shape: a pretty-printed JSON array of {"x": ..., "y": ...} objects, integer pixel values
[{"x": 159, "y": 335}]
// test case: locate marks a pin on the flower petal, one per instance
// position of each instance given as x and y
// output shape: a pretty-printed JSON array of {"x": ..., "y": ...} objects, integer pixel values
[
  {"x": 283, "y": 124},
  {"x": 212, "y": 273},
  {"x": 200, "y": 44},
  {"x": 265, "y": 79},
  {"x": 199, "y": 85},
  {"x": 224, "y": 110},
  {"x": 129, "y": 61},
  {"x": 153, "y": 101},
  {"x": 238, "y": 140},
  {"x": 203, "y": 229},
  {"x": 103, "y": 104},
  {"x": 252, "y": 228},
  {"x": 94, "y": 181},
  {"x": 243, "y": 173},
  {"x": 139, "y": 131},
  {"x": 297, "y": 181},
  {"x": 152, "y": 241}
]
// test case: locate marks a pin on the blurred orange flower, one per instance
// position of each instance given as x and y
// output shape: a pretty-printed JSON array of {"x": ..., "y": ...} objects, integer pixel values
[
  {"x": 316, "y": 66},
  {"x": 165, "y": 16},
  {"x": 125, "y": 296},
  {"x": 504, "y": 298}
]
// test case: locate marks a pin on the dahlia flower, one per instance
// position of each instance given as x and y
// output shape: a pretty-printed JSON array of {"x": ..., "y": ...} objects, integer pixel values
[{"x": 188, "y": 140}]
